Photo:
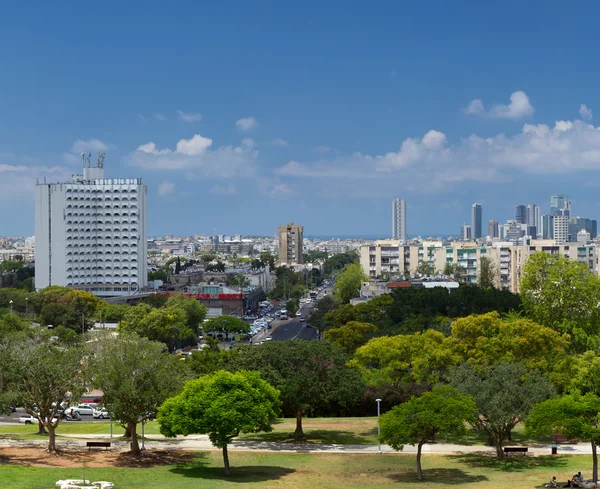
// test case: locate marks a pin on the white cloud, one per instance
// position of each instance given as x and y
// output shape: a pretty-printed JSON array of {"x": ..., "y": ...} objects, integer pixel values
[
  {"x": 585, "y": 112},
  {"x": 18, "y": 181},
  {"x": 246, "y": 123},
  {"x": 194, "y": 146},
  {"x": 165, "y": 189},
  {"x": 160, "y": 117},
  {"x": 228, "y": 189},
  {"x": 474, "y": 107},
  {"x": 433, "y": 163},
  {"x": 12, "y": 168},
  {"x": 278, "y": 142},
  {"x": 188, "y": 116},
  {"x": 197, "y": 154},
  {"x": 81, "y": 146},
  {"x": 519, "y": 107}
]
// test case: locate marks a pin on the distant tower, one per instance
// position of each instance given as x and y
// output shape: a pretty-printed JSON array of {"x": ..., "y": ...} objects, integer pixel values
[
  {"x": 493, "y": 229},
  {"x": 399, "y": 219},
  {"x": 291, "y": 241},
  {"x": 476, "y": 220},
  {"x": 521, "y": 214}
]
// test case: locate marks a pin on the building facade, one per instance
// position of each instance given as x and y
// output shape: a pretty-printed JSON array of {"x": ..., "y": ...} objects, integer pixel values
[
  {"x": 91, "y": 233},
  {"x": 521, "y": 214},
  {"x": 476, "y": 220},
  {"x": 399, "y": 220},
  {"x": 290, "y": 244},
  {"x": 392, "y": 259},
  {"x": 493, "y": 229}
]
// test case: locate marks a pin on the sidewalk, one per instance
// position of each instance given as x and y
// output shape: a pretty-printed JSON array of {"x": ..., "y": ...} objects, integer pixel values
[{"x": 201, "y": 442}]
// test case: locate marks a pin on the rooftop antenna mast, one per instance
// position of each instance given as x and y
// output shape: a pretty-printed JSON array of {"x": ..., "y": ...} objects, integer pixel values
[
  {"x": 101, "y": 157},
  {"x": 86, "y": 160}
]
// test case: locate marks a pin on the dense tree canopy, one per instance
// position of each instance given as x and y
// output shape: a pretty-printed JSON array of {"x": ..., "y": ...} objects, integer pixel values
[
  {"x": 419, "y": 420},
  {"x": 504, "y": 394},
  {"x": 351, "y": 335},
  {"x": 564, "y": 295},
  {"x": 226, "y": 324},
  {"x": 137, "y": 375},
  {"x": 309, "y": 374},
  {"x": 221, "y": 405},
  {"x": 348, "y": 283}
]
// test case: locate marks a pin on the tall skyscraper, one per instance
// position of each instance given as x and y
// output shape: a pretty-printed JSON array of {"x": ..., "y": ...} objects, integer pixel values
[
  {"x": 533, "y": 216},
  {"x": 90, "y": 233},
  {"x": 521, "y": 214},
  {"x": 399, "y": 220},
  {"x": 557, "y": 203},
  {"x": 493, "y": 229},
  {"x": 476, "y": 220},
  {"x": 547, "y": 226},
  {"x": 290, "y": 244}
]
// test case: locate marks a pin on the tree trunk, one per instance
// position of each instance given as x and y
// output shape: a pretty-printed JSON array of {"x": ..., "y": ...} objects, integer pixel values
[
  {"x": 226, "y": 461},
  {"x": 41, "y": 429},
  {"x": 299, "y": 433},
  {"x": 499, "y": 450},
  {"x": 51, "y": 438},
  {"x": 419, "y": 471},
  {"x": 509, "y": 434},
  {"x": 595, "y": 462},
  {"x": 135, "y": 446}
]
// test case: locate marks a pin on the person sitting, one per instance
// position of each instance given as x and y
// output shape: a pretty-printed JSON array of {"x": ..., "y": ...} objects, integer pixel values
[
  {"x": 575, "y": 481},
  {"x": 552, "y": 483}
]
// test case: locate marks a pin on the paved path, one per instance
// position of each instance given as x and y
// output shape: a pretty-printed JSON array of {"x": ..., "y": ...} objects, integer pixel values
[{"x": 201, "y": 442}]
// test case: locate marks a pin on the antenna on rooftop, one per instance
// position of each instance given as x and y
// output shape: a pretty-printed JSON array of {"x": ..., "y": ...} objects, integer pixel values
[
  {"x": 101, "y": 157},
  {"x": 86, "y": 159}
]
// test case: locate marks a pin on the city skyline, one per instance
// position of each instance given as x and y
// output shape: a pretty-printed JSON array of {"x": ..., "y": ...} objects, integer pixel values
[{"x": 272, "y": 125}]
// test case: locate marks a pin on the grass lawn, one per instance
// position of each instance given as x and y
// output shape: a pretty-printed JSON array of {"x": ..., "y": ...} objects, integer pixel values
[{"x": 298, "y": 471}]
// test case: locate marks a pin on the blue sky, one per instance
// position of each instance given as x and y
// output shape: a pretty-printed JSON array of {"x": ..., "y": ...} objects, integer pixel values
[{"x": 240, "y": 116}]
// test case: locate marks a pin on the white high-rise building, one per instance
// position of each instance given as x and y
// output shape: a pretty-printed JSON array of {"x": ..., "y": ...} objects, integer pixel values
[
  {"x": 90, "y": 233},
  {"x": 561, "y": 229},
  {"x": 399, "y": 219}
]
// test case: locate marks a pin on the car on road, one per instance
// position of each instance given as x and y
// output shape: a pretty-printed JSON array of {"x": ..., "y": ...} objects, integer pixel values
[
  {"x": 268, "y": 338},
  {"x": 302, "y": 319},
  {"x": 81, "y": 409},
  {"x": 298, "y": 314},
  {"x": 101, "y": 413}
]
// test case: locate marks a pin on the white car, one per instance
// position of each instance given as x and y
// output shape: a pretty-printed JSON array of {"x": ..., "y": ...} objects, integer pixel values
[
  {"x": 101, "y": 413},
  {"x": 81, "y": 409},
  {"x": 298, "y": 314}
]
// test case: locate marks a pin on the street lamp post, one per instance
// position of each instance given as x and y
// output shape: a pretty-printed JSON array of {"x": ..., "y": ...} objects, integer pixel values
[
  {"x": 26, "y": 303},
  {"x": 11, "y": 303},
  {"x": 378, "y": 401}
]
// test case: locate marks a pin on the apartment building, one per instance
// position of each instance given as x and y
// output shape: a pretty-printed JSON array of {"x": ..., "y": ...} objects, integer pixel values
[
  {"x": 90, "y": 233},
  {"x": 391, "y": 258},
  {"x": 290, "y": 244}
]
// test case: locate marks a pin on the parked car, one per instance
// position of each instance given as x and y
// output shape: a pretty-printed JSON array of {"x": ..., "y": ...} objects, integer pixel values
[
  {"x": 101, "y": 413},
  {"x": 302, "y": 319},
  {"x": 81, "y": 409}
]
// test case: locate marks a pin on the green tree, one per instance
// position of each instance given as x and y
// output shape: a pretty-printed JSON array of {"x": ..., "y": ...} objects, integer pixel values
[
  {"x": 158, "y": 275},
  {"x": 11, "y": 323},
  {"x": 45, "y": 373},
  {"x": 222, "y": 405},
  {"x": 348, "y": 283},
  {"x": 489, "y": 274},
  {"x": 404, "y": 364},
  {"x": 226, "y": 324},
  {"x": 137, "y": 375},
  {"x": 167, "y": 325},
  {"x": 419, "y": 420},
  {"x": 574, "y": 416},
  {"x": 425, "y": 268},
  {"x": 485, "y": 339},
  {"x": 292, "y": 306},
  {"x": 351, "y": 336},
  {"x": 195, "y": 312},
  {"x": 112, "y": 313},
  {"x": 320, "y": 309},
  {"x": 564, "y": 295},
  {"x": 504, "y": 394},
  {"x": 309, "y": 374}
]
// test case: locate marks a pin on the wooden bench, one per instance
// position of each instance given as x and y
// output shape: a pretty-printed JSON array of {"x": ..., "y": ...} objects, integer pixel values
[
  {"x": 98, "y": 444},
  {"x": 522, "y": 450}
]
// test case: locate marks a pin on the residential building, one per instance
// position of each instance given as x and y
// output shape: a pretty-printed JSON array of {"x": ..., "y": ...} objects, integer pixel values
[
  {"x": 561, "y": 229},
  {"x": 290, "y": 244},
  {"x": 399, "y": 220},
  {"x": 90, "y": 233},
  {"x": 476, "y": 215},
  {"x": 392, "y": 260},
  {"x": 493, "y": 230},
  {"x": 521, "y": 214}
]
